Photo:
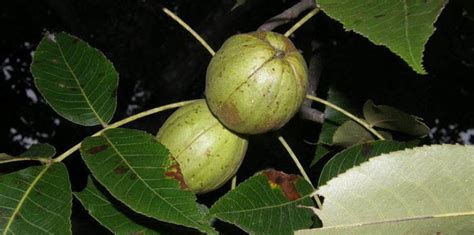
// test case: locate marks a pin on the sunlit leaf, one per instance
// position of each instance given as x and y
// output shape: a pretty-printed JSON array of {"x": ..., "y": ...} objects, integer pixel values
[
  {"x": 40, "y": 152},
  {"x": 358, "y": 154},
  {"x": 390, "y": 118},
  {"x": 403, "y": 26},
  {"x": 36, "y": 200},
  {"x": 425, "y": 190},
  {"x": 267, "y": 203},
  {"x": 138, "y": 171},
  {"x": 76, "y": 79},
  {"x": 115, "y": 217}
]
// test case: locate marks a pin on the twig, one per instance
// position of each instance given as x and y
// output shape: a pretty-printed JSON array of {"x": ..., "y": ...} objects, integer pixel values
[
  {"x": 234, "y": 182},
  {"x": 287, "y": 15},
  {"x": 300, "y": 23},
  {"x": 189, "y": 29},
  {"x": 314, "y": 75},
  {"x": 311, "y": 114},
  {"x": 125, "y": 121}
]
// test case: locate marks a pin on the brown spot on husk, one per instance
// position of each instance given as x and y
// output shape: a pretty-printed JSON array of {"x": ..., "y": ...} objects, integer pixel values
[
  {"x": 208, "y": 152},
  {"x": 285, "y": 182},
  {"x": 272, "y": 123},
  {"x": 174, "y": 172},
  {"x": 97, "y": 149},
  {"x": 230, "y": 114}
]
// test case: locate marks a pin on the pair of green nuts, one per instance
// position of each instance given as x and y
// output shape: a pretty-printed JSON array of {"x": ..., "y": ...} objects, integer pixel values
[{"x": 254, "y": 83}]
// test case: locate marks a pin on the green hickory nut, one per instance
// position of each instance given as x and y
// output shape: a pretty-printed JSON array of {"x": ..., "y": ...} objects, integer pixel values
[
  {"x": 256, "y": 82},
  {"x": 208, "y": 154}
]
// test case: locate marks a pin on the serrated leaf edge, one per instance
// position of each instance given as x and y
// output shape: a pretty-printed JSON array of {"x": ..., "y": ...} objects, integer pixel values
[
  {"x": 378, "y": 43},
  {"x": 66, "y": 62},
  {"x": 216, "y": 215},
  {"x": 317, "y": 211},
  {"x": 384, "y": 155},
  {"x": 51, "y": 37},
  {"x": 93, "y": 216},
  {"x": 198, "y": 226},
  {"x": 23, "y": 199}
]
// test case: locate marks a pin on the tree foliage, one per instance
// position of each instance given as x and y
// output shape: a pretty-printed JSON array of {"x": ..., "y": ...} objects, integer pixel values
[{"x": 135, "y": 185}]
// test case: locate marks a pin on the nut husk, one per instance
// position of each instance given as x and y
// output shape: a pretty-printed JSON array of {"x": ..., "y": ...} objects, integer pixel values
[
  {"x": 208, "y": 154},
  {"x": 256, "y": 82}
]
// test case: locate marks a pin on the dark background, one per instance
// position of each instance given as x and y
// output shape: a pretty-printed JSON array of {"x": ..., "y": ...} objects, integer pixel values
[{"x": 160, "y": 63}]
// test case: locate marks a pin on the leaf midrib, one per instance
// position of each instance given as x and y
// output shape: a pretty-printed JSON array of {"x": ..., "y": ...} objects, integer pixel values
[
  {"x": 76, "y": 79},
  {"x": 19, "y": 159},
  {"x": 421, "y": 217},
  {"x": 405, "y": 11},
  {"x": 23, "y": 199},
  {"x": 266, "y": 207}
]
